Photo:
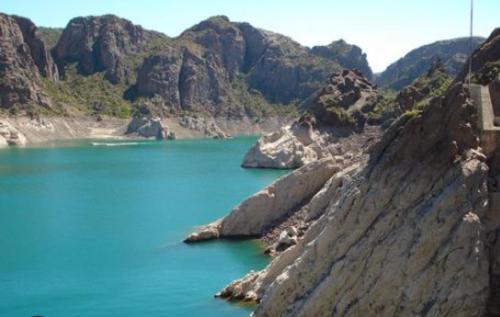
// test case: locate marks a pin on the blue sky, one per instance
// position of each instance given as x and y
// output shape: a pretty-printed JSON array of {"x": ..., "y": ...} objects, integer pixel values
[{"x": 385, "y": 29}]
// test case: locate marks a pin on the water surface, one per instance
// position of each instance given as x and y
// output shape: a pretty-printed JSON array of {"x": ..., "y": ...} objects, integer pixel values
[{"x": 94, "y": 229}]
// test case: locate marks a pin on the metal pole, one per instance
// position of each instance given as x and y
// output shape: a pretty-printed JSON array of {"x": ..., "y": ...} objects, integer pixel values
[{"x": 470, "y": 40}]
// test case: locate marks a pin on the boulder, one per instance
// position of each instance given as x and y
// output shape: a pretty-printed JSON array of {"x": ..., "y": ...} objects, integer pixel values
[
  {"x": 290, "y": 147},
  {"x": 148, "y": 127}
]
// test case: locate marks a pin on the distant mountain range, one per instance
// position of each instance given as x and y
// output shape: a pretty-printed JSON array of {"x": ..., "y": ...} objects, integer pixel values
[
  {"x": 452, "y": 53},
  {"x": 106, "y": 65}
]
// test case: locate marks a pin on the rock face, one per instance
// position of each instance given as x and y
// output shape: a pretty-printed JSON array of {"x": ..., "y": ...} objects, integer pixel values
[
  {"x": 100, "y": 44},
  {"x": 453, "y": 53},
  {"x": 24, "y": 60},
  {"x": 213, "y": 67},
  {"x": 259, "y": 213},
  {"x": 349, "y": 56}
]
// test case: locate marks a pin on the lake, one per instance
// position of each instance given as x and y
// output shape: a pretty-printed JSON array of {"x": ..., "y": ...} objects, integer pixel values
[{"x": 94, "y": 228}]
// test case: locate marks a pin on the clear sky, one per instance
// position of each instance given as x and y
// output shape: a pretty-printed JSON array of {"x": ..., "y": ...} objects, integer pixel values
[{"x": 384, "y": 29}]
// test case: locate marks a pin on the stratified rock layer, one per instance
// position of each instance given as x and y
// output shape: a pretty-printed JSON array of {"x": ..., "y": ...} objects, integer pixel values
[
  {"x": 401, "y": 237},
  {"x": 261, "y": 211}
]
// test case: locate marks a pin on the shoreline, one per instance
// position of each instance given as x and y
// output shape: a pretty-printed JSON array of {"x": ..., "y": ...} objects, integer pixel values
[{"x": 24, "y": 131}]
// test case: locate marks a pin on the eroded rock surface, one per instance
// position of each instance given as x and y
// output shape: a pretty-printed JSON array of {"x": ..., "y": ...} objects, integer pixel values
[
  {"x": 290, "y": 147},
  {"x": 260, "y": 212},
  {"x": 402, "y": 237}
]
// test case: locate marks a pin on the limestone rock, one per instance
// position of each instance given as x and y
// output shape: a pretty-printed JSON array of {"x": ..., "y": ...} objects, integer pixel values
[
  {"x": 148, "y": 128},
  {"x": 290, "y": 147},
  {"x": 208, "y": 232},
  {"x": 262, "y": 210},
  {"x": 403, "y": 236}
]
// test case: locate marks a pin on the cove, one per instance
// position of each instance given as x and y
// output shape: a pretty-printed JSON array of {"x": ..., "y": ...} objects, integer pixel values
[{"x": 95, "y": 228}]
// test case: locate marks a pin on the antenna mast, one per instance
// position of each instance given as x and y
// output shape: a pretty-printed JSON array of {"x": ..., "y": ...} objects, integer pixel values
[{"x": 470, "y": 40}]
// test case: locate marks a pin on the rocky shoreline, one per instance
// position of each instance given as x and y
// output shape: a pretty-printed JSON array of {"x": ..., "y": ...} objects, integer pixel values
[{"x": 24, "y": 130}]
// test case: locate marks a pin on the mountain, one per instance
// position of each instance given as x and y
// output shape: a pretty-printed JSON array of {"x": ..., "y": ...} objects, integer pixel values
[
  {"x": 453, "y": 54},
  {"x": 108, "y": 65},
  {"x": 347, "y": 55}
]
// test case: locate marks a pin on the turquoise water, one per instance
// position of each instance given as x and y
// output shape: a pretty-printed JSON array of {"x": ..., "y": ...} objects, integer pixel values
[{"x": 95, "y": 230}]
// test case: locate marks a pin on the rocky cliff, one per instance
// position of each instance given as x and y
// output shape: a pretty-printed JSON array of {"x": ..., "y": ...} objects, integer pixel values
[
  {"x": 24, "y": 62},
  {"x": 453, "y": 53},
  {"x": 410, "y": 230},
  {"x": 110, "y": 66},
  {"x": 99, "y": 44}
]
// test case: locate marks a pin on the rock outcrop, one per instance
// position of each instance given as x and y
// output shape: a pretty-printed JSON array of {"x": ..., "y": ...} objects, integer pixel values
[
  {"x": 347, "y": 55},
  {"x": 264, "y": 210},
  {"x": 453, "y": 53},
  {"x": 290, "y": 147},
  {"x": 24, "y": 60},
  {"x": 148, "y": 127},
  {"x": 100, "y": 44},
  {"x": 342, "y": 102},
  {"x": 424, "y": 88},
  {"x": 10, "y": 136},
  {"x": 336, "y": 116}
]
